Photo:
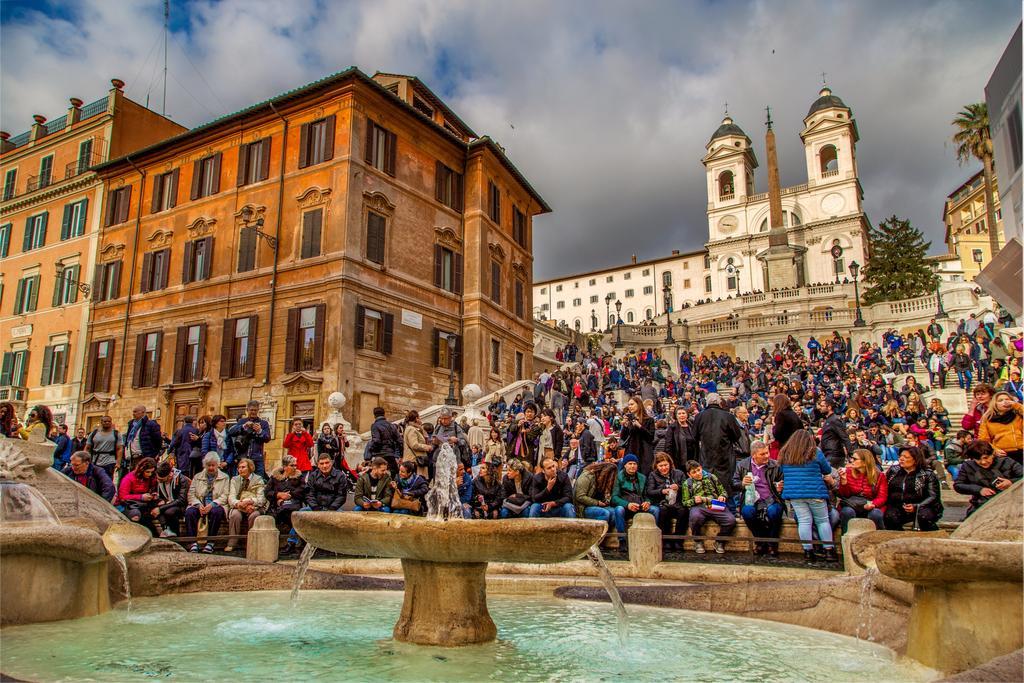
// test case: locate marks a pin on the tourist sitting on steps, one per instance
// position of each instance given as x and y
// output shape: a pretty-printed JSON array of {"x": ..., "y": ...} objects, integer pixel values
[
  {"x": 629, "y": 491},
  {"x": 172, "y": 498},
  {"x": 246, "y": 500},
  {"x": 487, "y": 491},
  {"x": 326, "y": 486},
  {"x": 863, "y": 490},
  {"x": 137, "y": 492},
  {"x": 806, "y": 477},
  {"x": 372, "y": 492},
  {"x": 1002, "y": 425},
  {"x": 409, "y": 491},
  {"x": 758, "y": 480},
  {"x": 983, "y": 475},
  {"x": 705, "y": 498},
  {"x": 515, "y": 490},
  {"x": 663, "y": 491},
  {"x": 551, "y": 492},
  {"x": 286, "y": 493},
  {"x": 464, "y": 479},
  {"x": 81, "y": 469},
  {"x": 207, "y": 500},
  {"x": 913, "y": 493},
  {"x": 593, "y": 498}
]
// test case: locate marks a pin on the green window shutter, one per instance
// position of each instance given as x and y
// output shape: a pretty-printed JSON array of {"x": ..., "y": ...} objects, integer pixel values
[
  {"x": 26, "y": 242},
  {"x": 5, "y": 240},
  {"x": 58, "y": 287},
  {"x": 41, "y": 232},
  {"x": 19, "y": 297},
  {"x": 75, "y": 271},
  {"x": 5, "y": 369},
  {"x": 44, "y": 380},
  {"x": 33, "y": 299},
  {"x": 79, "y": 229},
  {"x": 65, "y": 223}
]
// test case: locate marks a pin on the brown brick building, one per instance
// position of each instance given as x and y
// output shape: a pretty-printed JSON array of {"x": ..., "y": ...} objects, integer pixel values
[
  {"x": 327, "y": 239},
  {"x": 49, "y": 234}
]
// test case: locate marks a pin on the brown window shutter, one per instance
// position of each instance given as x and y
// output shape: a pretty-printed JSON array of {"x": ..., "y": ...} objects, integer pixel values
[
  {"x": 439, "y": 181},
  {"x": 179, "y": 354},
  {"x": 111, "y": 207},
  {"x": 115, "y": 279},
  {"x": 62, "y": 368},
  {"x": 436, "y": 348},
  {"x": 215, "y": 186},
  {"x": 389, "y": 332},
  {"x": 318, "y": 341},
  {"x": 208, "y": 261},
  {"x": 458, "y": 204},
  {"x": 97, "y": 282},
  {"x": 201, "y": 357},
  {"x": 438, "y": 271},
  {"x": 457, "y": 275},
  {"x": 265, "y": 159},
  {"x": 329, "y": 147},
  {"x": 174, "y": 187},
  {"x": 140, "y": 351},
  {"x": 104, "y": 382},
  {"x": 360, "y": 326},
  {"x": 392, "y": 152},
  {"x": 44, "y": 378},
  {"x": 125, "y": 203},
  {"x": 186, "y": 265},
  {"x": 368, "y": 156},
  {"x": 243, "y": 164},
  {"x": 227, "y": 348},
  {"x": 165, "y": 266},
  {"x": 147, "y": 272},
  {"x": 90, "y": 370},
  {"x": 290, "y": 340},
  {"x": 250, "y": 364},
  {"x": 159, "y": 357},
  {"x": 158, "y": 183},
  {"x": 247, "y": 250},
  {"x": 197, "y": 167},
  {"x": 304, "y": 146}
]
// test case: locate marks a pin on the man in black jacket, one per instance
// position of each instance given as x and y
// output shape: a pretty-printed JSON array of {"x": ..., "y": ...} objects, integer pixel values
[
  {"x": 81, "y": 469},
  {"x": 143, "y": 438},
  {"x": 835, "y": 441},
  {"x": 982, "y": 475},
  {"x": 172, "y": 498},
  {"x": 764, "y": 516},
  {"x": 385, "y": 441},
  {"x": 551, "y": 492},
  {"x": 326, "y": 486},
  {"x": 718, "y": 433}
]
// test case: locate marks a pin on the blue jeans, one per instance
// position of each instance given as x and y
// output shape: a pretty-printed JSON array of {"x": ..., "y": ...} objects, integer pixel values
[
  {"x": 506, "y": 513},
  {"x": 566, "y": 510},
  {"x": 360, "y": 508},
  {"x": 616, "y": 515},
  {"x": 771, "y": 528},
  {"x": 812, "y": 512},
  {"x": 848, "y": 513},
  {"x": 964, "y": 377},
  {"x": 953, "y": 470}
]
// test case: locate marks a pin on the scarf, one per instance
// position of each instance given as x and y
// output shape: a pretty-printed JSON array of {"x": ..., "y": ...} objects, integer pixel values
[{"x": 1003, "y": 418}]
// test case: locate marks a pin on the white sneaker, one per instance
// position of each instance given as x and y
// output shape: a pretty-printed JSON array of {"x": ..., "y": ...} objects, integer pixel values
[{"x": 167, "y": 533}]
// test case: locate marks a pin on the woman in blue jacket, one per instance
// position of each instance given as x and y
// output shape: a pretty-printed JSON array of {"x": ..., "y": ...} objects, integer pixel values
[{"x": 805, "y": 473}]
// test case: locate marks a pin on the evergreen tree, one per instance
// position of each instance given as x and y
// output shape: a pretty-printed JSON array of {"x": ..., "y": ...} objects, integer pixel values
[{"x": 896, "y": 268}]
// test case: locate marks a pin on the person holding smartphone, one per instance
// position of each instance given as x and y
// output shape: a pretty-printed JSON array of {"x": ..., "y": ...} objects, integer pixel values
[{"x": 983, "y": 475}]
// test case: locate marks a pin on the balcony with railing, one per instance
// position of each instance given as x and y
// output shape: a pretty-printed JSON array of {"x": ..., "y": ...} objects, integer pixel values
[
  {"x": 38, "y": 182},
  {"x": 830, "y": 173},
  {"x": 13, "y": 393},
  {"x": 82, "y": 165}
]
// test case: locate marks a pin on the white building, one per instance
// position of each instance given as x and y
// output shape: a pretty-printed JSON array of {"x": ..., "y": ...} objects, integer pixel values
[
  {"x": 820, "y": 214},
  {"x": 1003, "y": 97}
]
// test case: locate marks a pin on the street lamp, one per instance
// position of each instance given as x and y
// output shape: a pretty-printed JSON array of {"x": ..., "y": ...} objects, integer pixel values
[
  {"x": 451, "y": 339},
  {"x": 607, "y": 309},
  {"x": 618, "y": 325},
  {"x": 854, "y": 272},
  {"x": 667, "y": 291}
]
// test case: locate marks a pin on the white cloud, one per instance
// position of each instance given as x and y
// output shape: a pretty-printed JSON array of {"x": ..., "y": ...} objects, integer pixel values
[{"x": 611, "y": 103}]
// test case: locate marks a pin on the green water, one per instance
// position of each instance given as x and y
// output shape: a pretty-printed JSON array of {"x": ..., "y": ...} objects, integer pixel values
[{"x": 346, "y": 636}]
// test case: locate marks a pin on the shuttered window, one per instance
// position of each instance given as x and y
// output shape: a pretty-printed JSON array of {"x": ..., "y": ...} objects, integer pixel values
[
  {"x": 35, "y": 232},
  {"x": 190, "y": 353},
  {"x": 304, "y": 345},
  {"x": 238, "y": 347},
  {"x": 206, "y": 176},
  {"x": 26, "y": 296},
  {"x": 165, "y": 191},
  {"x": 5, "y": 239},
  {"x": 148, "y": 349},
  {"x": 445, "y": 352},
  {"x": 312, "y": 227},
  {"x": 496, "y": 282},
  {"x": 118, "y": 202},
  {"x": 493, "y": 202},
  {"x": 374, "y": 330},
  {"x": 198, "y": 260},
  {"x": 45, "y": 171},
  {"x": 84, "y": 156},
  {"x": 247, "y": 250},
  {"x": 519, "y": 298},
  {"x": 447, "y": 269},
  {"x": 101, "y": 362},
  {"x": 495, "y": 357},
  {"x": 381, "y": 148},
  {"x": 10, "y": 183},
  {"x": 107, "y": 282},
  {"x": 14, "y": 370},
  {"x": 316, "y": 142},
  {"x": 254, "y": 162},
  {"x": 73, "y": 222},
  {"x": 65, "y": 289},
  {"x": 519, "y": 226},
  {"x": 155, "y": 266},
  {"x": 55, "y": 364},
  {"x": 376, "y": 227},
  {"x": 448, "y": 188}
]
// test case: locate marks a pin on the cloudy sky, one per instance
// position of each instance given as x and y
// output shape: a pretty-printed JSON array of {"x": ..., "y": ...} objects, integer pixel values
[{"x": 604, "y": 106}]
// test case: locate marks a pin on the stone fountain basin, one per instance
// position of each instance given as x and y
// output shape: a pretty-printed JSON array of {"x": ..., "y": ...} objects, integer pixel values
[
  {"x": 924, "y": 561},
  {"x": 59, "y": 541},
  {"x": 381, "y": 534}
]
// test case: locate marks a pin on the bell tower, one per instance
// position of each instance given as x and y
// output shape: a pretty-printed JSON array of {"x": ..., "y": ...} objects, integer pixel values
[
  {"x": 729, "y": 164},
  {"x": 830, "y": 140}
]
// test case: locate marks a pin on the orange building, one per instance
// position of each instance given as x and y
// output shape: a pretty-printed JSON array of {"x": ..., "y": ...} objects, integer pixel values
[
  {"x": 331, "y": 238},
  {"x": 967, "y": 236},
  {"x": 49, "y": 233}
]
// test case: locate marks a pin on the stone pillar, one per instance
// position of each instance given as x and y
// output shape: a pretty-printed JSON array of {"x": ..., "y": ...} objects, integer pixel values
[
  {"x": 644, "y": 543},
  {"x": 445, "y": 604},
  {"x": 856, "y": 527},
  {"x": 263, "y": 540}
]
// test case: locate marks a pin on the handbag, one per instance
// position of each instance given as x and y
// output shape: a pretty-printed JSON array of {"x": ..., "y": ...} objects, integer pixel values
[
  {"x": 400, "y": 501},
  {"x": 855, "y": 502},
  {"x": 516, "y": 508}
]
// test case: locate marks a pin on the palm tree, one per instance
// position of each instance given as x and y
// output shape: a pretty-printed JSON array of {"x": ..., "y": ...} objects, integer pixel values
[{"x": 973, "y": 141}]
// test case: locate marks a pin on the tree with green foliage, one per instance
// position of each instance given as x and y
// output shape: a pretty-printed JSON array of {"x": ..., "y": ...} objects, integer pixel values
[
  {"x": 973, "y": 141},
  {"x": 897, "y": 268}
]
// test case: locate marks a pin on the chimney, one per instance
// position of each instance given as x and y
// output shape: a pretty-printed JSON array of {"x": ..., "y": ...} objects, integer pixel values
[
  {"x": 116, "y": 93},
  {"x": 634, "y": 259},
  {"x": 75, "y": 112},
  {"x": 38, "y": 129},
  {"x": 5, "y": 143},
  {"x": 675, "y": 252}
]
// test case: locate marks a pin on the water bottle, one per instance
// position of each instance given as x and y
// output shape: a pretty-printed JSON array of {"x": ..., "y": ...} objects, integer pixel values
[{"x": 750, "y": 494}]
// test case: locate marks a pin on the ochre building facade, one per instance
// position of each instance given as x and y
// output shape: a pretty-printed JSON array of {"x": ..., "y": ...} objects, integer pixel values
[{"x": 330, "y": 239}]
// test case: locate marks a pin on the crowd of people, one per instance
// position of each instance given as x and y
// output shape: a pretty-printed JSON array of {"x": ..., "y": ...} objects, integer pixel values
[{"x": 817, "y": 431}]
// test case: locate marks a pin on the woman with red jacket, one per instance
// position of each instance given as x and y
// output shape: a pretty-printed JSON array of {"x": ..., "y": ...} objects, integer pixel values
[
  {"x": 297, "y": 443},
  {"x": 863, "y": 490},
  {"x": 137, "y": 494}
]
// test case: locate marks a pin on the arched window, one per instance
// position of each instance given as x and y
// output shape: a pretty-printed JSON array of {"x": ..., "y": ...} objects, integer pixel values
[
  {"x": 707, "y": 284},
  {"x": 666, "y": 278},
  {"x": 829, "y": 161},
  {"x": 629, "y": 316},
  {"x": 648, "y": 314},
  {"x": 726, "y": 186}
]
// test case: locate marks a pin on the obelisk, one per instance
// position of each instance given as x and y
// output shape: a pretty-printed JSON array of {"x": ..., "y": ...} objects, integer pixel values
[{"x": 782, "y": 269}]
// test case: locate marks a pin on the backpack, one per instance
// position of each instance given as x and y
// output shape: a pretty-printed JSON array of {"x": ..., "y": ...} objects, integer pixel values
[{"x": 92, "y": 444}]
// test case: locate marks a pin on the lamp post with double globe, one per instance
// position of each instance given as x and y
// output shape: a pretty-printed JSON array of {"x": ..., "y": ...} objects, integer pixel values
[
  {"x": 618, "y": 324},
  {"x": 854, "y": 272}
]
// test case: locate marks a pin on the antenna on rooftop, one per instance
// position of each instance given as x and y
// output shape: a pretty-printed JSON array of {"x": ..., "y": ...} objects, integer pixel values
[{"x": 167, "y": 14}]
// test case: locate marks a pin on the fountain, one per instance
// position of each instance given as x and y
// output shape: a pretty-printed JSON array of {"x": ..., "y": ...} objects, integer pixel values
[{"x": 444, "y": 557}]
